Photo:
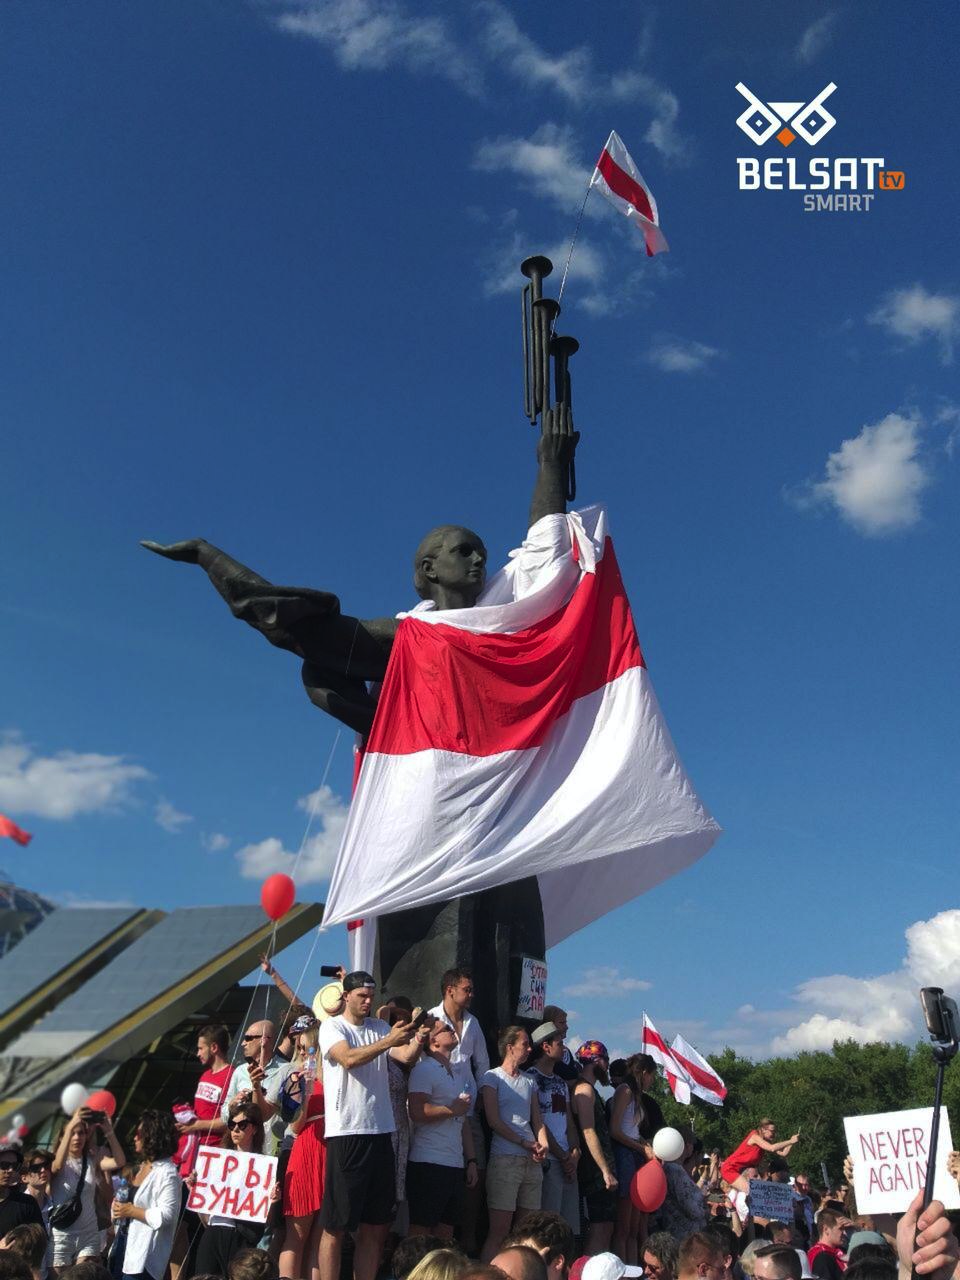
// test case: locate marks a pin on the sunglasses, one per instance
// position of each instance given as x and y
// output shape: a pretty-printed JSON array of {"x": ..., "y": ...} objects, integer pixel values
[
  {"x": 6, "y": 1167},
  {"x": 36, "y": 1168},
  {"x": 240, "y": 1124},
  {"x": 246, "y": 1039}
]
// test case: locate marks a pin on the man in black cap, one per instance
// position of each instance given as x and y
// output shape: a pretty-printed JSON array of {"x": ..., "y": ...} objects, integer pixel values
[{"x": 359, "y": 1188}]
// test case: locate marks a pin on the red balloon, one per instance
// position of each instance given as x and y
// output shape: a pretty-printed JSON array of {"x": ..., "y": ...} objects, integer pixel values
[
  {"x": 648, "y": 1190},
  {"x": 23, "y": 1131},
  {"x": 102, "y": 1100},
  {"x": 277, "y": 895}
]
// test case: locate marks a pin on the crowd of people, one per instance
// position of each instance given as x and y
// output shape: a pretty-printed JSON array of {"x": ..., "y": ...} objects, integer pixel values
[{"x": 401, "y": 1151}]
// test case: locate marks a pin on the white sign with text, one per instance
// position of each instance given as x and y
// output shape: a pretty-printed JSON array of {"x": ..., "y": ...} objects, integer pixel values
[
  {"x": 772, "y": 1200},
  {"x": 889, "y": 1153},
  {"x": 233, "y": 1184},
  {"x": 533, "y": 989}
]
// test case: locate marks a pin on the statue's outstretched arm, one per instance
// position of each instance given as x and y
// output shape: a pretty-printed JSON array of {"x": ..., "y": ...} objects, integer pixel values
[
  {"x": 305, "y": 622},
  {"x": 555, "y": 448}
]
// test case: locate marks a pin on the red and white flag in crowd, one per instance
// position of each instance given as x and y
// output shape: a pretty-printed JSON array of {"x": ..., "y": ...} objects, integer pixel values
[
  {"x": 704, "y": 1081},
  {"x": 618, "y": 178},
  {"x": 653, "y": 1043},
  {"x": 9, "y": 828},
  {"x": 520, "y": 737}
]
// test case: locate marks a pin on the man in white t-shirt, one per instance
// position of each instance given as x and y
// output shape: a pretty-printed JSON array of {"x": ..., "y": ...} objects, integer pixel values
[{"x": 359, "y": 1187}]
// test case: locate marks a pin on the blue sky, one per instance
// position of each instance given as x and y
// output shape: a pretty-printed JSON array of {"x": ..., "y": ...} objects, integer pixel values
[{"x": 259, "y": 286}]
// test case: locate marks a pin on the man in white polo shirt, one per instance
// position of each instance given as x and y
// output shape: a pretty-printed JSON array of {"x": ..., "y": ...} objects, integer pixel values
[{"x": 359, "y": 1188}]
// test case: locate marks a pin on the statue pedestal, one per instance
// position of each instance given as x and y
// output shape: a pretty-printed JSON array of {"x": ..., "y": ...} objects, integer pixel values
[{"x": 488, "y": 933}]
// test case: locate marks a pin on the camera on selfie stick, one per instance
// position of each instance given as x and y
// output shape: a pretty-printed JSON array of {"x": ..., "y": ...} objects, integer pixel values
[{"x": 943, "y": 1024}]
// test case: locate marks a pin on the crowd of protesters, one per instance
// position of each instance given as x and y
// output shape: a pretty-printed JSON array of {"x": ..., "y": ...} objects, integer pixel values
[{"x": 403, "y": 1152}]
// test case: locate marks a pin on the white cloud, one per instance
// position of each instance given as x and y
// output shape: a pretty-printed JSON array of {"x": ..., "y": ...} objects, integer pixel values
[
  {"x": 885, "y": 1007},
  {"x": 603, "y": 980},
  {"x": 215, "y": 842},
  {"x": 170, "y": 818},
  {"x": 549, "y": 163},
  {"x": 568, "y": 74},
  {"x": 681, "y": 355},
  {"x": 319, "y": 850},
  {"x": 914, "y": 314},
  {"x": 65, "y": 784},
  {"x": 816, "y": 38},
  {"x": 874, "y": 479},
  {"x": 76, "y": 901},
  {"x": 375, "y": 34}
]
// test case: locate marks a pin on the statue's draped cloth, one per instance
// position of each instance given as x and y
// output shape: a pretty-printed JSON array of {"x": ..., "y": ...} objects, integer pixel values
[{"x": 521, "y": 737}]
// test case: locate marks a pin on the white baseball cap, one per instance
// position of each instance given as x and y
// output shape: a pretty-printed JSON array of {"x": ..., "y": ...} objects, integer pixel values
[{"x": 607, "y": 1266}]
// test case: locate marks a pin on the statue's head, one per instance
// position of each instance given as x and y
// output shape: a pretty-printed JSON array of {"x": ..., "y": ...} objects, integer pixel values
[{"x": 450, "y": 567}]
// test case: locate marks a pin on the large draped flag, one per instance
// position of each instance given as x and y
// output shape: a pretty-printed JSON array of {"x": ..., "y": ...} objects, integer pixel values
[
  {"x": 704, "y": 1081},
  {"x": 618, "y": 178},
  {"x": 9, "y": 828},
  {"x": 520, "y": 737}
]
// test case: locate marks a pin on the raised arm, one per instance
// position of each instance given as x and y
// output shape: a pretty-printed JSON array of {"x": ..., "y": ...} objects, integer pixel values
[{"x": 555, "y": 450}]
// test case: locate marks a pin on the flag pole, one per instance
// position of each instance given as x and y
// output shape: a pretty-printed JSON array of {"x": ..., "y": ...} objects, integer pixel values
[{"x": 576, "y": 232}]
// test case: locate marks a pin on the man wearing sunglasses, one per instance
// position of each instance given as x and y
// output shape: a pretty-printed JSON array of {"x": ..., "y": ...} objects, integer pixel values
[
  {"x": 16, "y": 1206},
  {"x": 258, "y": 1079}
]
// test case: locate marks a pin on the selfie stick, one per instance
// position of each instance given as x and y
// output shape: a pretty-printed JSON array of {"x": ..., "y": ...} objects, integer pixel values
[{"x": 940, "y": 1013}]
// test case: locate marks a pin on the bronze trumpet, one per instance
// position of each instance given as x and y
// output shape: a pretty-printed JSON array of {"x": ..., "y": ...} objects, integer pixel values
[{"x": 539, "y": 319}]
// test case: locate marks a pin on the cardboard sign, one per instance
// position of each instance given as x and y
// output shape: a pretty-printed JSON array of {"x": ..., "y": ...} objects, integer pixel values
[
  {"x": 772, "y": 1200},
  {"x": 889, "y": 1153},
  {"x": 533, "y": 989},
  {"x": 233, "y": 1184}
]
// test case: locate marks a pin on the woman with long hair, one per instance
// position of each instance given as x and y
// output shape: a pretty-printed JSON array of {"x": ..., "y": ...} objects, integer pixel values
[
  {"x": 79, "y": 1158},
  {"x": 630, "y": 1152},
  {"x": 304, "y": 1178},
  {"x": 154, "y": 1211},
  {"x": 225, "y": 1237}
]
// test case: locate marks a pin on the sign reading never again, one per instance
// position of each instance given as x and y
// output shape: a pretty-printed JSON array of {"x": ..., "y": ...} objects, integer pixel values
[{"x": 889, "y": 1153}]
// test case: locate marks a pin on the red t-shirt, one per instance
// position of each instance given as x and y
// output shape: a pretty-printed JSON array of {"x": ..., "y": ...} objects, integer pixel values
[{"x": 211, "y": 1090}]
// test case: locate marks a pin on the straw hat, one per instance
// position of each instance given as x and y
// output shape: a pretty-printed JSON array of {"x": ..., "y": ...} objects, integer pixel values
[{"x": 328, "y": 1002}]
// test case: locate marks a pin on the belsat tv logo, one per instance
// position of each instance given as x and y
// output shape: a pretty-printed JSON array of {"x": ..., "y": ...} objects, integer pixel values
[{"x": 843, "y": 184}]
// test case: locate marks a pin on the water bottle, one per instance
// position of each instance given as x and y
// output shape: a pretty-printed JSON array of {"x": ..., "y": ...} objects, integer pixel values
[
  {"x": 121, "y": 1190},
  {"x": 309, "y": 1072}
]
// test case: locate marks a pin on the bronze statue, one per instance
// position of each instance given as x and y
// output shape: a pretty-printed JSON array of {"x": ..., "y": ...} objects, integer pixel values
[{"x": 341, "y": 654}]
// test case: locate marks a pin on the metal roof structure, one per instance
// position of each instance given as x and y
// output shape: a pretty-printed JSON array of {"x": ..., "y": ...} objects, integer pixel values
[
  {"x": 180, "y": 963},
  {"x": 20, "y": 911},
  {"x": 59, "y": 954}
]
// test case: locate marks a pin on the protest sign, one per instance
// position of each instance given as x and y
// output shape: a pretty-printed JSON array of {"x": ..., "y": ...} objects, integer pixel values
[
  {"x": 773, "y": 1200},
  {"x": 233, "y": 1184},
  {"x": 533, "y": 989},
  {"x": 889, "y": 1153}
]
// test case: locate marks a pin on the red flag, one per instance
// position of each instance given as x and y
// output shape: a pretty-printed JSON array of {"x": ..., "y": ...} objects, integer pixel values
[
  {"x": 10, "y": 828},
  {"x": 618, "y": 178},
  {"x": 658, "y": 1049}
]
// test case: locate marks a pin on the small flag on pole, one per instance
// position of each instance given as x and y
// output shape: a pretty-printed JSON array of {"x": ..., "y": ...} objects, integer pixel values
[
  {"x": 618, "y": 178},
  {"x": 10, "y": 828}
]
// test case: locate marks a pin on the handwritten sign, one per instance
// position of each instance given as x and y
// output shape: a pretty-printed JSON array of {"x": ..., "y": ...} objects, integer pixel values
[
  {"x": 772, "y": 1200},
  {"x": 889, "y": 1153},
  {"x": 233, "y": 1184},
  {"x": 533, "y": 989}
]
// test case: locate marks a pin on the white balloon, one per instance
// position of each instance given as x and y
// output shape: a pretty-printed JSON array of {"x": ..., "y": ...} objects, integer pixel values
[
  {"x": 18, "y": 1121},
  {"x": 73, "y": 1096},
  {"x": 668, "y": 1144}
]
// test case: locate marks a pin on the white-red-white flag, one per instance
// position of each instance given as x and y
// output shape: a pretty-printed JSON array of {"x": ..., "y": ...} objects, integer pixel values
[
  {"x": 658, "y": 1049},
  {"x": 618, "y": 179},
  {"x": 520, "y": 737},
  {"x": 704, "y": 1081}
]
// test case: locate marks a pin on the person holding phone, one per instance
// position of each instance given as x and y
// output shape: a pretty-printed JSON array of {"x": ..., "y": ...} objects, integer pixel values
[{"x": 77, "y": 1163}]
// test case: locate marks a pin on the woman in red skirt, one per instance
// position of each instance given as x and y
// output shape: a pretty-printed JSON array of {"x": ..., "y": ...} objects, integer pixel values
[{"x": 303, "y": 1182}]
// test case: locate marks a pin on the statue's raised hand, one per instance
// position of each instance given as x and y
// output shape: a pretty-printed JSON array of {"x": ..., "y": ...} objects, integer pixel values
[
  {"x": 558, "y": 440},
  {"x": 188, "y": 552}
]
